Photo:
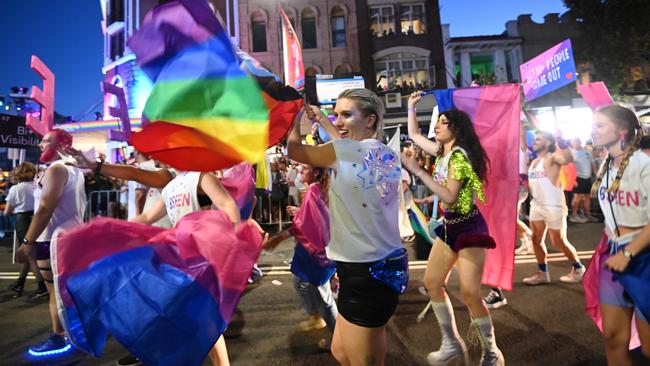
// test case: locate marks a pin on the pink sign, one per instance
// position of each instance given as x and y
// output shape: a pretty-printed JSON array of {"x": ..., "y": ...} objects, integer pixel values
[
  {"x": 595, "y": 95},
  {"x": 121, "y": 111},
  {"x": 45, "y": 98}
]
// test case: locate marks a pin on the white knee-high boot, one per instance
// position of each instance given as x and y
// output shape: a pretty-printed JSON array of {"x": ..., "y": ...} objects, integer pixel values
[
  {"x": 490, "y": 353},
  {"x": 452, "y": 348}
]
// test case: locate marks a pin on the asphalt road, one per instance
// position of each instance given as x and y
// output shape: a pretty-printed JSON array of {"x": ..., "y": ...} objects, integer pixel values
[{"x": 543, "y": 325}]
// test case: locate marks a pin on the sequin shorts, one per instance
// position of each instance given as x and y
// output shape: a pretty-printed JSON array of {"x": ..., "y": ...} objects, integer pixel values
[{"x": 465, "y": 231}]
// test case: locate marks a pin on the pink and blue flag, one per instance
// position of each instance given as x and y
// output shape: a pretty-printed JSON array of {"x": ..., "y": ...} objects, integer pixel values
[
  {"x": 239, "y": 181},
  {"x": 495, "y": 111},
  {"x": 165, "y": 295},
  {"x": 595, "y": 95},
  {"x": 311, "y": 229}
]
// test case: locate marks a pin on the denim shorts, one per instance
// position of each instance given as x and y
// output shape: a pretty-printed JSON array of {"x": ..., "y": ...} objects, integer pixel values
[{"x": 611, "y": 292}]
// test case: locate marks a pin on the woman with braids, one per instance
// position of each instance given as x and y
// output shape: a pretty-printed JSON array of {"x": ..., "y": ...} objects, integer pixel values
[
  {"x": 460, "y": 170},
  {"x": 623, "y": 187}
]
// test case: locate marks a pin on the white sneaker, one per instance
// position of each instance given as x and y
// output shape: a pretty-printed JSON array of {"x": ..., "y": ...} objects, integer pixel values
[
  {"x": 526, "y": 246},
  {"x": 574, "y": 276},
  {"x": 577, "y": 219},
  {"x": 538, "y": 278}
]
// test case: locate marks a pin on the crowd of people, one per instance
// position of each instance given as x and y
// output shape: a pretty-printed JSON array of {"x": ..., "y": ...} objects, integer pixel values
[{"x": 343, "y": 197}]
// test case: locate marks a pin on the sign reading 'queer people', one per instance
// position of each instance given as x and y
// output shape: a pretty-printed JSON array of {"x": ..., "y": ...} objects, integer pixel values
[{"x": 551, "y": 70}]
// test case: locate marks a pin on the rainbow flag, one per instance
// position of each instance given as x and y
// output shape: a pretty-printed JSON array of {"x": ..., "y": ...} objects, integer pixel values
[
  {"x": 282, "y": 101},
  {"x": 419, "y": 222},
  {"x": 165, "y": 295},
  {"x": 206, "y": 113},
  {"x": 495, "y": 111}
]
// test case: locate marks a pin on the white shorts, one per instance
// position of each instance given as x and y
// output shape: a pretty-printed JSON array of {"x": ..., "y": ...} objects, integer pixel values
[{"x": 554, "y": 217}]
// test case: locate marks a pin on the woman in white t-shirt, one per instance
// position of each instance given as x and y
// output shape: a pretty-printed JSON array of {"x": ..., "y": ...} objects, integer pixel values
[
  {"x": 20, "y": 201},
  {"x": 623, "y": 188},
  {"x": 363, "y": 217}
]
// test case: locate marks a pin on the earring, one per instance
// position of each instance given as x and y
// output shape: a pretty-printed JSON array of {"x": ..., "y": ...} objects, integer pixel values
[{"x": 622, "y": 141}]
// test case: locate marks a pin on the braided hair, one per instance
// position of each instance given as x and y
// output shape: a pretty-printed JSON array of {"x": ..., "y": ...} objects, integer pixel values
[{"x": 623, "y": 118}]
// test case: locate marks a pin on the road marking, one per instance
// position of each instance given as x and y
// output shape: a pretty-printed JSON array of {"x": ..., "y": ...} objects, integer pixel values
[{"x": 414, "y": 265}]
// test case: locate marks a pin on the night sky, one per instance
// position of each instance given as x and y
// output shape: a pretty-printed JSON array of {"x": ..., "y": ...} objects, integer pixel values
[{"x": 67, "y": 36}]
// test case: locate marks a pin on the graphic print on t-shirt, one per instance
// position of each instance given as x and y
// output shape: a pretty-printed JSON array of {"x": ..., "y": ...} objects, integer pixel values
[{"x": 380, "y": 170}]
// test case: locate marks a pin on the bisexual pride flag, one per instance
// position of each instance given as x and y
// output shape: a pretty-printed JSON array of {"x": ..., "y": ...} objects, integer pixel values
[
  {"x": 239, "y": 181},
  {"x": 205, "y": 112},
  {"x": 495, "y": 111},
  {"x": 165, "y": 295}
]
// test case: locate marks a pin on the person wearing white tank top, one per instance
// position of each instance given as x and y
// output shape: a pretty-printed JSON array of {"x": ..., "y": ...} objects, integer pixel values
[
  {"x": 548, "y": 209},
  {"x": 60, "y": 202}
]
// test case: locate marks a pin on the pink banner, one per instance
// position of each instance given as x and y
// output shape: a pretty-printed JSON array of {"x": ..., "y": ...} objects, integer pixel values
[
  {"x": 294, "y": 69},
  {"x": 495, "y": 113},
  {"x": 595, "y": 95}
]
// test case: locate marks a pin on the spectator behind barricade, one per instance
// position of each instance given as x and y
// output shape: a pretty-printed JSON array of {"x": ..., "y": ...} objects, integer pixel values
[
  {"x": 280, "y": 188},
  {"x": 568, "y": 176},
  {"x": 292, "y": 173},
  {"x": 585, "y": 167},
  {"x": 20, "y": 201},
  {"x": 102, "y": 198}
]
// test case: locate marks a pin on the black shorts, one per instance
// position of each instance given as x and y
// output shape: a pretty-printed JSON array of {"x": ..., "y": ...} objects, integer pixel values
[
  {"x": 583, "y": 186},
  {"x": 42, "y": 250},
  {"x": 364, "y": 300}
]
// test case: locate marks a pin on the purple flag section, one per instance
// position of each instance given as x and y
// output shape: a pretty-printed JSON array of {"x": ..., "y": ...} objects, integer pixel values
[
  {"x": 595, "y": 95},
  {"x": 239, "y": 181},
  {"x": 494, "y": 111},
  {"x": 311, "y": 226}
]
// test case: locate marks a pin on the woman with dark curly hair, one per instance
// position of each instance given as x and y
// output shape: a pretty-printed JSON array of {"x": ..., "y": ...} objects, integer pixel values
[{"x": 460, "y": 170}]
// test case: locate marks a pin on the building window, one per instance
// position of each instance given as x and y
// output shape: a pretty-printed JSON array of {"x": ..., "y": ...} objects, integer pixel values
[
  {"x": 382, "y": 21},
  {"x": 337, "y": 20},
  {"x": 258, "y": 31},
  {"x": 412, "y": 19},
  {"x": 115, "y": 11},
  {"x": 308, "y": 26},
  {"x": 117, "y": 45},
  {"x": 403, "y": 73},
  {"x": 482, "y": 66}
]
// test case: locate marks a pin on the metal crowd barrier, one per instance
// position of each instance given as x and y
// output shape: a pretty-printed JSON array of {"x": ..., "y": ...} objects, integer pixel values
[
  {"x": 107, "y": 204},
  {"x": 264, "y": 211}
]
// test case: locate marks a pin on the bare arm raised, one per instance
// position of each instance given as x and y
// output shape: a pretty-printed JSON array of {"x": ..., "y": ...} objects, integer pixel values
[{"x": 413, "y": 128}]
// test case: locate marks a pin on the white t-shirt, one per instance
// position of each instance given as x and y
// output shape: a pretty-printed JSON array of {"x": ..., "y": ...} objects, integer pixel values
[
  {"x": 21, "y": 197},
  {"x": 583, "y": 161},
  {"x": 70, "y": 210},
  {"x": 180, "y": 196},
  {"x": 630, "y": 202},
  {"x": 363, "y": 203}
]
